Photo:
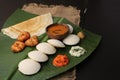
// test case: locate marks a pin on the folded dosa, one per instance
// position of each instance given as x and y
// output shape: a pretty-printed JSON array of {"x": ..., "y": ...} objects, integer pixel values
[{"x": 35, "y": 26}]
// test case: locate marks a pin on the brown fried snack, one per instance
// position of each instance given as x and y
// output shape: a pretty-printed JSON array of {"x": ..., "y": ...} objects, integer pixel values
[
  {"x": 18, "y": 46},
  {"x": 23, "y": 36},
  {"x": 32, "y": 41},
  {"x": 81, "y": 35}
]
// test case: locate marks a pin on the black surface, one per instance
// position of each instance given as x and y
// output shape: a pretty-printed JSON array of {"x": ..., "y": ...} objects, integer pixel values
[{"x": 102, "y": 17}]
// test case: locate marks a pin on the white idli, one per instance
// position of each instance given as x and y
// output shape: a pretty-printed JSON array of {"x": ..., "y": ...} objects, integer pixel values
[
  {"x": 70, "y": 28},
  {"x": 72, "y": 39},
  {"x": 56, "y": 43},
  {"x": 46, "y": 48},
  {"x": 29, "y": 66},
  {"x": 38, "y": 56}
]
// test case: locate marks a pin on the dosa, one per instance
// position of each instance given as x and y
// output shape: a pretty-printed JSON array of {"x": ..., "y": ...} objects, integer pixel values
[{"x": 35, "y": 26}]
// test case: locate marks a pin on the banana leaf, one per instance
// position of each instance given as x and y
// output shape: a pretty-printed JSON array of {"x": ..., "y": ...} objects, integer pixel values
[{"x": 9, "y": 60}]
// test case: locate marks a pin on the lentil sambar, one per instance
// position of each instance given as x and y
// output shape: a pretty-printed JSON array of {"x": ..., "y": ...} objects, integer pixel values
[{"x": 57, "y": 31}]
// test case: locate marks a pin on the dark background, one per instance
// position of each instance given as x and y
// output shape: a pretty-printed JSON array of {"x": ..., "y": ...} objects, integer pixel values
[{"x": 102, "y": 17}]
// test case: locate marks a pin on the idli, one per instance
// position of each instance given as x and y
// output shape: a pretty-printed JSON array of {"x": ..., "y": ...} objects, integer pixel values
[
  {"x": 56, "y": 43},
  {"x": 72, "y": 39},
  {"x": 70, "y": 28},
  {"x": 38, "y": 56},
  {"x": 29, "y": 66},
  {"x": 46, "y": 48}
]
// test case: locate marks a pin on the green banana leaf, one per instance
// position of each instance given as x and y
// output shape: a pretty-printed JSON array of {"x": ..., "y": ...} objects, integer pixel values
[{"x": 9, "y": 60}]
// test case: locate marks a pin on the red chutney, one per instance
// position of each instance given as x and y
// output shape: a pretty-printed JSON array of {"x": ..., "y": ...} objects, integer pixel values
[{"x": 60, "y": 60}]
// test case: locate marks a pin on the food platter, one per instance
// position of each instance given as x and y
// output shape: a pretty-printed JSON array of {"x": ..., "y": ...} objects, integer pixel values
[{"x": 9, "y": 61}]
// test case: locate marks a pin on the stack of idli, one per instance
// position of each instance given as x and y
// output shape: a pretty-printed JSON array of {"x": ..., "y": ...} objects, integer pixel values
[{"x": 31, "y": 65}]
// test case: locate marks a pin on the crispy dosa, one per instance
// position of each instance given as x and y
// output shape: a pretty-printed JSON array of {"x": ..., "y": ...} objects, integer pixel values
[{"x": 35, "y": 26}]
